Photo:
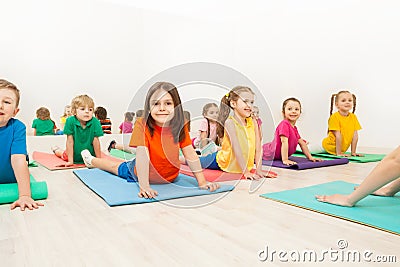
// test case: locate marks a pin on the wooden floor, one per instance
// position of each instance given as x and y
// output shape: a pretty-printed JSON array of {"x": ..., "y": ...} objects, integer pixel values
[{"x": 77, "y": 228}]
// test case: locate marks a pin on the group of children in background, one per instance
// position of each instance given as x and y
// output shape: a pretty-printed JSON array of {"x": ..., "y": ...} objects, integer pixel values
[{"x": 161, "y": 131}]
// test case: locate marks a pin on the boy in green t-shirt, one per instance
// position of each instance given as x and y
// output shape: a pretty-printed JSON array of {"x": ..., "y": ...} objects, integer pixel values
[
  {"x": 82, "y": 131},
  {"x": 43, "y": 124}
]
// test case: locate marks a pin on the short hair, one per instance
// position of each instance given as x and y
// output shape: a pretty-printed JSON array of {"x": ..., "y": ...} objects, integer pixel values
[
  {"x": 129, "y": 115},
  {"x": 4, "y": 84},
  {"x": 81, "y": 101},
  {"x": 100, "y": 113},
  {"x": 140, "y": 113},
  {"x": 43, "y": 113}
]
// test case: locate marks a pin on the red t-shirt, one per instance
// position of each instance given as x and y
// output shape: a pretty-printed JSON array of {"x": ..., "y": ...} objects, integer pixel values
[{"x": 164, "y": 153}]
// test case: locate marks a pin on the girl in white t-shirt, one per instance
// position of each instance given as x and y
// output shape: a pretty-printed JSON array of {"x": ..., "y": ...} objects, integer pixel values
[{"x": 207, "y": 139}]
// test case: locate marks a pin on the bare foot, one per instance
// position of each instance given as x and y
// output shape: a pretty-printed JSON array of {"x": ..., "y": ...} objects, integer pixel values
[
  {"x": 382, "y": 192},
  {"x": 340, "y": 200}
]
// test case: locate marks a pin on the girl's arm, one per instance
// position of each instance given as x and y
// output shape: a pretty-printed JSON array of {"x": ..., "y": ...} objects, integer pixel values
[
  {"x": 34, "y": 131},
  {"x": 285, "y": 151},
  {"x": 258, "y": 154},
  {"x": 20, "y": 167},
  {"x": 96, "y": 147},
  {"x": 354, "y": 145},
  {"x": 203, "y": 139},
  {"x": 338, "y": 142},
  {"x": 70, "y": 150},
  {"x": 237, "y": 151},
  {"x": 306, "y": 151},
  {"x": 142, "y": 168},
  {"x": 194, "y": 164}
]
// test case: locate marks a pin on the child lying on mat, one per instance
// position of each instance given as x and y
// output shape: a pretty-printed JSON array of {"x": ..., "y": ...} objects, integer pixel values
[
  {"x": 241, "y": 138},
  {"x": 13, "y": 167},
  {"x": 82, "y": 130},
  {"x": 158, "y": 137},
  {"x": 388, "y": 170},
  {"x": 287, "y": 136}
]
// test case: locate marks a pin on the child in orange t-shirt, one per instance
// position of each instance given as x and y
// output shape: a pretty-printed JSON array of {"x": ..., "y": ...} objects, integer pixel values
[{"x": 157, "y": 138}]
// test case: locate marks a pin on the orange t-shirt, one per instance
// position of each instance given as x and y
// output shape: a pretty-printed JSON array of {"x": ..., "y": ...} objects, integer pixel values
[{"x": 164, "y": 153}]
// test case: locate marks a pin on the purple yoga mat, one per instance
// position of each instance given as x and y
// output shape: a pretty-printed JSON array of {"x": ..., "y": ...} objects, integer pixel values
[{"x": 303, "y": 163}]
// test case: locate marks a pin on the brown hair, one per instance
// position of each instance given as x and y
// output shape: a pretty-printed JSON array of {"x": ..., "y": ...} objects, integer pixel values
[
  {"x": 334, "y": 99},
  {"x": 100, "y": 113},
  {"x": 225, "y": 107},
  {"x": 205, "y": 110},
  {"x": 81, "y": 101},
  {"x": 43, "y": 113},
  {"x": 287, "y": 101},
  {"x": 139, "y": 113},
  {"x": 129, "y": 116},
  {"x": 4, "y": 84},
  {"x": 177, "y": 122}
]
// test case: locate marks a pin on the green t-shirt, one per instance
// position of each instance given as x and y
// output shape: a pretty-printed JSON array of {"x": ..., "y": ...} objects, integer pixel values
[
  {"x": 83, "y": 137},
  {"x": 43, "y": 127}
]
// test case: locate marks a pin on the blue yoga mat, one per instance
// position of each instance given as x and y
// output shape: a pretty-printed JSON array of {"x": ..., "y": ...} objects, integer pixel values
[
  {"x": 378, "y": 212},
  {"x": 117, "y": 191},
  {"x": 303, "y": 163}
]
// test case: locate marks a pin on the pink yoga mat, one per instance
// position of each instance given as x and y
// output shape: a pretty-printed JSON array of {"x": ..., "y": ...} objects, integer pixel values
[
  {"x": 220, "y": 176},
  {"x": 52, "y": 162}
]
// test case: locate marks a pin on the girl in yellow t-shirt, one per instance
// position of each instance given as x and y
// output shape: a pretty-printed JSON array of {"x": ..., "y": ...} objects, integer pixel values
[
  {"x": 342, "y": 126},
  {"x": 241, "y": 142}
]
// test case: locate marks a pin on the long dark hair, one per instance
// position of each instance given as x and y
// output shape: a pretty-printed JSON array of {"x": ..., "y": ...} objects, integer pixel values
[{"x": 177, "y": 122}]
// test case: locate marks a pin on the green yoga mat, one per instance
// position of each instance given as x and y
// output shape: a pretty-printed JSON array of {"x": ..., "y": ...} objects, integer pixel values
[
  {"x": 9, "y": 192},
  {"x": 122, "y": 154},
  {"x": 32, "y": 164},
  {"x": 374, "y": 211},
  {"x": 366, "y": 158}
]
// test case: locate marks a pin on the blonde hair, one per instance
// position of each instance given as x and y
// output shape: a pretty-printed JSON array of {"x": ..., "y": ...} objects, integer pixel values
[
  {"x": 4, "y": 84},
  {"x": 81, "y": 101},
  {"x": 334, "y": 99},
  {"x": 43, "y": 113},
  {"x": 225, "y": 106}
]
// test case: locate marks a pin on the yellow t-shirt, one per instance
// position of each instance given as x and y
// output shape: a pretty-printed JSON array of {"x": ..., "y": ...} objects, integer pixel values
[
  {"x": 247, "y": 140},
  {"x": 347, "y": 125}
]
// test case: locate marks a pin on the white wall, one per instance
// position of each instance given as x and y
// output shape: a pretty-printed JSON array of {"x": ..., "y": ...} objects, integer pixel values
[{"x": 54, "y": 50}]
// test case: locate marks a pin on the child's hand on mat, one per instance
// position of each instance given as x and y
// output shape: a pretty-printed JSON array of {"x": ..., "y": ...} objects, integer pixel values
[
  {"x": 315, "y": 159},
  {"x": 341, "y": 200},
  {"x": 147, "y": 192},
  {"x": 357, "y": 155},
  {"x": 267, "y": 174},
  {"x": 289, "y": 162},
  {"x": 209, "y": 186},
  {"x": 26, "y": 202},
  {"x": 251, "y": 176}
]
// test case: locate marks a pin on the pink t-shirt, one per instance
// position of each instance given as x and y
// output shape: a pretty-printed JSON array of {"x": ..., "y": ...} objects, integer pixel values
[
  {"x": 286, "y": 129},
  {"x": 126, "y": 127},
  {"x": 204, "y": 128}
]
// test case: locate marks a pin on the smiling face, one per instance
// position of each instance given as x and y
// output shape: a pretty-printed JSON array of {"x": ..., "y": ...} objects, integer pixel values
[
  {"x": 243, "y": 106},
  {"x": 344, "y": 103},
  {"x": 162, "y": 107},
  {"x": 8, "y": 106},
  {"x": 292, "y": 111}
]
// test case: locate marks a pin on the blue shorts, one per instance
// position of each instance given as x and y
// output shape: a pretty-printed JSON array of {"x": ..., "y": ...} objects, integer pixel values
[
  {"x": 209, "y": 162},
  {"x": 126, "y": 171}
]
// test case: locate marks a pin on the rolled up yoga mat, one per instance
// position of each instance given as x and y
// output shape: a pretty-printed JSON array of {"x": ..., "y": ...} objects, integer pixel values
[{"x": 9, "y": 192}]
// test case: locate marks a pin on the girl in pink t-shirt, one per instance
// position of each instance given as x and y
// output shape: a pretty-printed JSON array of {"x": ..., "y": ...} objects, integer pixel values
[
  {"x": 127, "y": 125},
  {"x": 287, "y": 136}
]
